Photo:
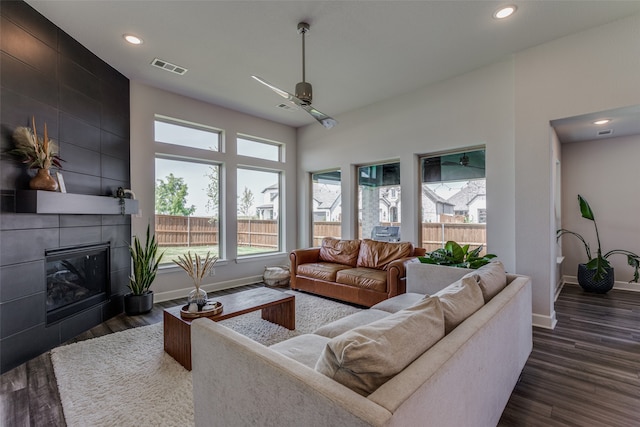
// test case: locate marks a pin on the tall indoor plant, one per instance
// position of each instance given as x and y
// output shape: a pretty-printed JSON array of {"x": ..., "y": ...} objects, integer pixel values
[
  {"x": 145, "y": 266},
  {"x": 597, "y": 274}
]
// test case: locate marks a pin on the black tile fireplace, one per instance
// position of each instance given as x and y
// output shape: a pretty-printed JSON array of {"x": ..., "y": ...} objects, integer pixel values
[
  {"x": 77, "y": 278},
  {"x": 46, "y": 74}
]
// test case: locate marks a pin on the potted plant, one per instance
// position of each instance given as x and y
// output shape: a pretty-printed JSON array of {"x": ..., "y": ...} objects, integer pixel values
[
  {"x": 454, "y": 255},
  {"x": 597, "y": 274},
  {"x": 145, "y": 266}
]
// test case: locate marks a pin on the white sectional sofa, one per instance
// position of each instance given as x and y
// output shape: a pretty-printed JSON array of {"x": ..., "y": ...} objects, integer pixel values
[{"x": 464, "y": 379}]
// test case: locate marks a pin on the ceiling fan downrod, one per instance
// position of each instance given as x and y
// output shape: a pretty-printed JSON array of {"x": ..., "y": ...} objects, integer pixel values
[{"x": 303, "y": 89}]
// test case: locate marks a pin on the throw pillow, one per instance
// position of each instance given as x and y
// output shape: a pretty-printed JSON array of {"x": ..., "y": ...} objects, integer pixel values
[
  {"x": 340, "y": 251},
  {"x": 366, "y": 357},
  {"x": 374, "y": 254},
  {"x": 460, "y": 300},
  {"x": 491, "y": 278}
]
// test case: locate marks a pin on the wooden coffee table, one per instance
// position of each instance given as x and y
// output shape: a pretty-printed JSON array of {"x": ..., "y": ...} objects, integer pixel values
[{"x": 277, "y": 307}]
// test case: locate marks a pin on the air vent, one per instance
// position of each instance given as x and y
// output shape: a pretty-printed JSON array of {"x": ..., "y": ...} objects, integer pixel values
[
  {"x": 605, "y": 132},
  {"x": 287, "y": 107},
  {"x": 169, "y": 66}
]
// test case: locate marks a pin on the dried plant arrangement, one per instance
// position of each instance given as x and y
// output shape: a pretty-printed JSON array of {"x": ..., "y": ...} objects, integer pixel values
[
  {"x": 196, "y": 266},
  {"x": 35, "y": 152}
]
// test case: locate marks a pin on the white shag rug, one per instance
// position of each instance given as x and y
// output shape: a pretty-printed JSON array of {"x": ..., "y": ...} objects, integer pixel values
[{"x": 126, "y": 378}]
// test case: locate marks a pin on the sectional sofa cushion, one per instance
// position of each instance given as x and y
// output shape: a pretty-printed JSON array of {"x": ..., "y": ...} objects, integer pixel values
[
  {"x": 491, "y": 278},
  {"x": 340, "y": 326},
  {"x": 460, "y": 300},
  {"x": 340, "y": 251},
  {"x": 374, "y": 254},
  {"x": 305, "y": 348},
  {"x": 366, "y": 357},
  {"x": 399, "y": 302}
]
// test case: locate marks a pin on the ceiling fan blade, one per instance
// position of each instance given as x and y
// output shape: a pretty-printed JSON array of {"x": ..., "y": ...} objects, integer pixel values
[
  {"x": 324, "y": 120},
  {"x": 282, "y": 93}
]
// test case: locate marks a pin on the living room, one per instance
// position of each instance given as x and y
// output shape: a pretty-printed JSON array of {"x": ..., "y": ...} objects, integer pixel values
[{"x": 506, "y": 106}]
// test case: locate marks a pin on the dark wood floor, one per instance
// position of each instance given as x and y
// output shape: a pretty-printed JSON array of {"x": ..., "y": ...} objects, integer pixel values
[{"x": 585, "y": 372}]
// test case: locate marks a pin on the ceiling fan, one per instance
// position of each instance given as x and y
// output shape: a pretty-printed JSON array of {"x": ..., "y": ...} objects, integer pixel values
[
  {"x": 303, "y": 94},
  {"x": 463, "y": 161}
]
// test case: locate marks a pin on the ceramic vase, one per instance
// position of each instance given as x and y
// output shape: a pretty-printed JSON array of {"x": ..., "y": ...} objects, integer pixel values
[{"x": 43, "y": 181}]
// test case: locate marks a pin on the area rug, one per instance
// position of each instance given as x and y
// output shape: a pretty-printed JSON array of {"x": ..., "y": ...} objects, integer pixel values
[{"x": 126, "y": 378}]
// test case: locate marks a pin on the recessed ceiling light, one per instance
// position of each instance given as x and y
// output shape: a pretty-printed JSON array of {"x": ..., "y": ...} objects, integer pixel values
[
  {"x": 132, "y": 39},
  {"x": 601, "y": 122},
  {"x": 505, "y": 12}
]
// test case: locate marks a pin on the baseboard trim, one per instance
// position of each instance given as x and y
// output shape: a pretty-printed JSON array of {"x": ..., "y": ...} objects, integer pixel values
[
  {"x": 182, "y": 293},
  {"x": 546, "y": 322},
  {"x": 621, "y": 286}
]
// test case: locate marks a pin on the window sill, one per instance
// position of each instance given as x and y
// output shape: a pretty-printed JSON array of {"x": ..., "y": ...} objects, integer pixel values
[{"x": 251, "y": 258}]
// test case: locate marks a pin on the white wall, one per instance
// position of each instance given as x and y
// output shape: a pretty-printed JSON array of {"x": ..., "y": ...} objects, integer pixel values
[
  {"x": 606, "y": 174},
  {"x": 508, "y": 107},
  {"x": 147, "y": 101},
  {"x": 592, "y": 71}
]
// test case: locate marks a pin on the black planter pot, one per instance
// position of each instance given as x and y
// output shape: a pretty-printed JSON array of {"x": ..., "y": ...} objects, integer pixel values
[
  {"x": 585, "y": 280},
  {"x": 138, "y": 304}
]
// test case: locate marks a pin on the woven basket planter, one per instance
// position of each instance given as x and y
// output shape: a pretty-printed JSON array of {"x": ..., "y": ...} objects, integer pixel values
[
  {"x": 585, "y": 280},
  {"x": 276, "y": 276}
]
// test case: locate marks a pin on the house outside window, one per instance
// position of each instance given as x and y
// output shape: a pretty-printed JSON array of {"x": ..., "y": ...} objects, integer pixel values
[
  {"x": 379, "y": 204},
  {"x": 259, "y": 207},
  {"x": 453, "y": 199},
  {"x": 187, "y": 187},
  {"x": 326, "y": 201}
]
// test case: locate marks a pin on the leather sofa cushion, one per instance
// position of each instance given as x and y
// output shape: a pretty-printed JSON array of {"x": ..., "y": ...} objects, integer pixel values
[
  {"x": 340, "y": 251},
  {"x": 378, "y": 255},
  {"x": 459, "y": 300},
  {"x": 365, "y": 278},
  {"x": 491, "y": 278},
  {"x": 321, "y": 270},
  {"x": 366, "y": 357}
]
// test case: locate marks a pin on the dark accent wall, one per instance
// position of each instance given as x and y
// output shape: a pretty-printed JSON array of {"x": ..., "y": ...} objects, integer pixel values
[{"x": 47, "y": 74}]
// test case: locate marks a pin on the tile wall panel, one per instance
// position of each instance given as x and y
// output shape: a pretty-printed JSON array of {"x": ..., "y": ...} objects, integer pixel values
[{"x": 85, "y": 102}]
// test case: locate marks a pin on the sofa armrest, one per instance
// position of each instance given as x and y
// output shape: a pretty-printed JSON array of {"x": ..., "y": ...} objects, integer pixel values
[
  {"x": 301, "y": 256},
  {"x": 396, "y": 273}
]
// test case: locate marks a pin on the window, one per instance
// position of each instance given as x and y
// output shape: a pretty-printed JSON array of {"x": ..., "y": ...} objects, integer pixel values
[
  {"x": 187, "y": 202},
  {"x": 258, "y": 211},
  {"x": 186, "y": 134},
  {"x": 259, "y": 149},
  {"x": 453, "y": 199},
  {"x": 326, "y": 205},
  {"x": 379, "y": 211}
]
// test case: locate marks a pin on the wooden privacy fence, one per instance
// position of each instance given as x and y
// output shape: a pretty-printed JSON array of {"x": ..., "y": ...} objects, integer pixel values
[
  {"x": 434, "y": 234},
  {"x": 203, "y": 231}
]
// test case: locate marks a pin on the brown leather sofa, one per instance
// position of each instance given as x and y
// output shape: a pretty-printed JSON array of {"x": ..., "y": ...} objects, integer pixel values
[{"x": 362, "y": 272}]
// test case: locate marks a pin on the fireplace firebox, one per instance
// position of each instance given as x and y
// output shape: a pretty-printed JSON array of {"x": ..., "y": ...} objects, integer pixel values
[{"x": 77, "y": 278}]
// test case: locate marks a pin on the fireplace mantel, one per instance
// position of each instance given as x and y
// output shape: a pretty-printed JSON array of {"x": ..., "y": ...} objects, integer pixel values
[{"x": 50, "y": 202}]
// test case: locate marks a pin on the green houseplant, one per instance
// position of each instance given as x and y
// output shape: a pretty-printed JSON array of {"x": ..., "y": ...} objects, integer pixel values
[
  {"x": 145, "y": 266},
  {"x": 454, "y": 255},
  {"x": 597, "y": 274}
]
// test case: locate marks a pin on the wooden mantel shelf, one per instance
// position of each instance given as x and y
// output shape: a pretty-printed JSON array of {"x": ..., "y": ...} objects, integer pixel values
[{"x": 51, "y": 202}]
